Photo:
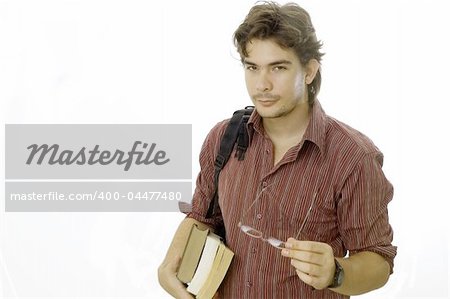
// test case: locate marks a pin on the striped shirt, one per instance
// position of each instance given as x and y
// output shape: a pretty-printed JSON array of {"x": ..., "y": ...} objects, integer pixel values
[{"x": 333, "y": 163}]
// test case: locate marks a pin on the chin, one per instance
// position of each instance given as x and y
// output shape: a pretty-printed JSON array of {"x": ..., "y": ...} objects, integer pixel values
[
  {"x": 280, "y": 110},
  {"x": 270, "y": 113}
]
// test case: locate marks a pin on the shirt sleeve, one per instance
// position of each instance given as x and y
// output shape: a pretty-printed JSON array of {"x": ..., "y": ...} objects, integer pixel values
[
  {"x": 362, "y": 209},
  {"x": 204, "y": 189}
]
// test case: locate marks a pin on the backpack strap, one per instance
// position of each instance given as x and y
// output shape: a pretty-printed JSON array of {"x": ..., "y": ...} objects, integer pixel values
[{"x": 236, "y": 132}]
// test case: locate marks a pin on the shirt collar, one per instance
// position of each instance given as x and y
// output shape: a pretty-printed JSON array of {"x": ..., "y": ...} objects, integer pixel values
[{"x": 315, "y": 132}]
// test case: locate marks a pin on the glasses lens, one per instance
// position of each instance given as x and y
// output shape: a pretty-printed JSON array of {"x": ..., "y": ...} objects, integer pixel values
[
  {"x": 276, "y": 243},
  {"x": 251, "y": 231}
]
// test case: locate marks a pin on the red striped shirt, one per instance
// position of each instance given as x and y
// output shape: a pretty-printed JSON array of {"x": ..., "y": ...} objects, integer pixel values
[{"x": 334, "y": 161}]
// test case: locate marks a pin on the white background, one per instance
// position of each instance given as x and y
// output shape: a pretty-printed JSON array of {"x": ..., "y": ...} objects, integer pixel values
[{"x": 385, "y": 73}]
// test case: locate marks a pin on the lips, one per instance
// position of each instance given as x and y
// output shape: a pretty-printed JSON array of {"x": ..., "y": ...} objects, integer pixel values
[
  {"x": 266, "y": 97},
  {"x": 266, "y": 103}
]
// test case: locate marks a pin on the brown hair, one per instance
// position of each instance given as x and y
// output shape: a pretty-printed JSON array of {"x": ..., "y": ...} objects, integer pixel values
[{"x": 289, "y": 26}]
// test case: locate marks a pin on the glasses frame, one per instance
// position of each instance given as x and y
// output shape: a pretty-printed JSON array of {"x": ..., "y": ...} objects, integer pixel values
[{"x": 256, "y": 234}]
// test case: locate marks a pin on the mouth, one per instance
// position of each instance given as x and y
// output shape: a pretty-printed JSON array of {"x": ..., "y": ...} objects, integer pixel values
[
  {"x": 266, "y": 103},
  {"x": 266, "y": 99}
]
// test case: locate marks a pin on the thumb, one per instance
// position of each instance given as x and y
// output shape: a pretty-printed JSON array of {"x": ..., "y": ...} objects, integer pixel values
[{"x": 175, "y": 263}]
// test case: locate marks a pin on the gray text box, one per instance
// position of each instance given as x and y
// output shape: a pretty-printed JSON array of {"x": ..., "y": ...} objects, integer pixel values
[
  {"x": 98, "y": 151},
  {"x": 96, "y": 196}
]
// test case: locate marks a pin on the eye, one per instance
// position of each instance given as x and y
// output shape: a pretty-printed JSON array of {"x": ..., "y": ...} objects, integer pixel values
[
  {"x": 251, "y": 67},
  {"x": 279, "y": 68}
]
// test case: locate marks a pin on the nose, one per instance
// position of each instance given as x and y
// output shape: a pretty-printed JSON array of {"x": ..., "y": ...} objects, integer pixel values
[{"x": 263, "y": 83}]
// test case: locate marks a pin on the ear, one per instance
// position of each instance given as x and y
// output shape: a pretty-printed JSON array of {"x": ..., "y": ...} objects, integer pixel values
[{"x": 312, "y": 67}]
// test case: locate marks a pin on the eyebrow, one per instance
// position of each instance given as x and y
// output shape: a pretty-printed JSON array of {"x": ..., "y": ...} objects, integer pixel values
[{"x": 277, "y": 62}]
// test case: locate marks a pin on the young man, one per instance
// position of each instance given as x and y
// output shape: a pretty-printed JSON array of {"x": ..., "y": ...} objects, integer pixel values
[{"x": 307, "y": 179}]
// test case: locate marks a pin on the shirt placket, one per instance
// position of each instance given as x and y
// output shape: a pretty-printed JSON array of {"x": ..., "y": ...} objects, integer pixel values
[{"x": 258, "y": 218}]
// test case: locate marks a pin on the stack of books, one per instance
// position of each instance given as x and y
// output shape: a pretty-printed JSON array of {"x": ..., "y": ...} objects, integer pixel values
[{"x": 205, "y": 262}]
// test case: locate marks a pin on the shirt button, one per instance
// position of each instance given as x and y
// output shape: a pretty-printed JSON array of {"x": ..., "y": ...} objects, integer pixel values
[
  {"x": 259, "y": 216},
  {"x": 253, "y": 250},
  {"x": 264, "y": 184},
  {"x": 248, "y": 284},
  {"x": 267, "y": 151}
]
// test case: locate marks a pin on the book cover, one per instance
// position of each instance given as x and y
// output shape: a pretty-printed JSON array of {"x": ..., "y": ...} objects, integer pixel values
[
  {"x": 192, "y": 253},
  {"x": 204, "y": 263}
]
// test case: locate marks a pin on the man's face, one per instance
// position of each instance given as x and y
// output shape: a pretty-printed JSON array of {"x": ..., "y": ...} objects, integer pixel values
[{"x": 275, "y": 79}]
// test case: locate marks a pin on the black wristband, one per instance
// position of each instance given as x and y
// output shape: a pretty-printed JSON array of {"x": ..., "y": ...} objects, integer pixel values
[{"x": 338, "y": 278}]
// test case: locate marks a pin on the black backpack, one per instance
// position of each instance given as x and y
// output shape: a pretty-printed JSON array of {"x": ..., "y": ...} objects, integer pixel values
[{"x": 235, "y": 134}]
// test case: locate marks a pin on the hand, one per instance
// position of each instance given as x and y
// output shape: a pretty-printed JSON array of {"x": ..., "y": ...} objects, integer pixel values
[
  {"x": 313, "y": 262},
  {"x": 167, "y": 276}
]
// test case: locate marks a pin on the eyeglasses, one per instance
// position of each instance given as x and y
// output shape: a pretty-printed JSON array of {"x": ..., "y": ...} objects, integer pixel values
[{"x": 254, "y": 233}]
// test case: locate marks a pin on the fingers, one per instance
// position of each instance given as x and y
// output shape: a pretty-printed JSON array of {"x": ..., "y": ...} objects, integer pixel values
[
  {"x": 308, "y": 279},
  {"x": 312, "y": 246},
  {"x": 167, "y": 276},
  {"x": 309, "y": 257},
  {"x": 313, "y": 261},
  {"x": 173, "y": 266},
  {"x": 313, "y": 253},
  {"x": 318, "y": 276},
  {"x": 306, "y": 267}
]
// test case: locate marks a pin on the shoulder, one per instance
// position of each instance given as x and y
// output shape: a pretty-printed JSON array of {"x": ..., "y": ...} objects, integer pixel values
[
  {"x": 217, "y": 131},
  {"x": 346, "y": 140},
  {"x": 212, "y": 140}
]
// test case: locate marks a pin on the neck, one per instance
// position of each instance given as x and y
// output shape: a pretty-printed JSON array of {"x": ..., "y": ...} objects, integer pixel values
[{"x": 291, "y": 125}]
